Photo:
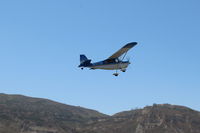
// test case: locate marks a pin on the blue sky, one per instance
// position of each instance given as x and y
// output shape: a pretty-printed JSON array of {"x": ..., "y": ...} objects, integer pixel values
[{"x": 40, "y": 43}]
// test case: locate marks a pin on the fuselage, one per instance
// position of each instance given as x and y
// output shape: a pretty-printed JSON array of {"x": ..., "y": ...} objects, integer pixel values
[{"x": 109, "y": 65}]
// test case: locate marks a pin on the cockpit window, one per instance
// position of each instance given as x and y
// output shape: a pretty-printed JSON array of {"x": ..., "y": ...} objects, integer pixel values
[{"x": 110, "y": 61}]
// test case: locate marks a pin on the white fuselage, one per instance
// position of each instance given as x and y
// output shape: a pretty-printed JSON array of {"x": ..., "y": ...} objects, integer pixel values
[{"x": 111, "y": 66}]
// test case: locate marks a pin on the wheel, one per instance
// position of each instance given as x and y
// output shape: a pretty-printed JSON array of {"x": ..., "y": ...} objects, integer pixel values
[
  {"x": 82, "y": 68},
  {"x": 115, "y": 74},
  {"x": 123, "y": 70}
]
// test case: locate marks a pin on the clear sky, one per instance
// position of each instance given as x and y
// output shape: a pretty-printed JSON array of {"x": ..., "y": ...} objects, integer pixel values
[{"x": 40, "y": 43}]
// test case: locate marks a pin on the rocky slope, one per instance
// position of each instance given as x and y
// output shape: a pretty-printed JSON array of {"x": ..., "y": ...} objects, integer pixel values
[
  {"x": 162, "y": 118},
  {"x": 20, "y": 114}
]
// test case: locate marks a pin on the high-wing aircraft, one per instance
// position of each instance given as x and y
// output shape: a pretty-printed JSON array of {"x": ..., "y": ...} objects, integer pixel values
[{"x": 112, "y": 63}]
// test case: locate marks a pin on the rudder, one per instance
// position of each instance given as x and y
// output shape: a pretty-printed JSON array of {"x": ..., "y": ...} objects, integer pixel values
[{"x": 83, "y": 58}]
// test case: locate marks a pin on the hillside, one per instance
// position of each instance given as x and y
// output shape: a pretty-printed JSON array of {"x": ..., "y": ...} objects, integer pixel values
[
  {"x": 159, "y": 118},
  {"x": 26, "y": 115},
  {"x": 21, "y": 114}
]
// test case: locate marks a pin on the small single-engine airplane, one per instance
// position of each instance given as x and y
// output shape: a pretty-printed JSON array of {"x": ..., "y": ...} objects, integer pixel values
[{"x": 112, "y": 63}]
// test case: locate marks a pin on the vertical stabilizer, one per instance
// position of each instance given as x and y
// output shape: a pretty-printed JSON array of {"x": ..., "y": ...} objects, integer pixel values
[
  {"x": 84, "y": 61},
  {"x": 83, "y": 58}
]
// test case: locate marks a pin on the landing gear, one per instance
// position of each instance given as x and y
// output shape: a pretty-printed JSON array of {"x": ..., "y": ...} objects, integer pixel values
[
  {"x": 116, "y": 74},
  {"x": 81, "y": 68},
  {"x": 123, "y": 70}
]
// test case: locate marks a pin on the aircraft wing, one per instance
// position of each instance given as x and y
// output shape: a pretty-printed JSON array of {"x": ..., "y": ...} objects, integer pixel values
[{"x": 123, "y": 50}]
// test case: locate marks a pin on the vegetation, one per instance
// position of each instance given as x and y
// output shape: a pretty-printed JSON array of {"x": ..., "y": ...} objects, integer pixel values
[{"x": 20, "y": 114}]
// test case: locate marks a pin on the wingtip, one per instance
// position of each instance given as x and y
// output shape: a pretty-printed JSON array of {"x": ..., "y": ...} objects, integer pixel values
[
  {"x": 130, "y": 45},
  {"x": 133, "y": 43}
]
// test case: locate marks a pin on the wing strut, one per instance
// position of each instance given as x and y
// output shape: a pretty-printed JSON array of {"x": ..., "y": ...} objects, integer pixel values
[
  {"x": 124, "y": 56},
  {"x": 123, "y": 50}
]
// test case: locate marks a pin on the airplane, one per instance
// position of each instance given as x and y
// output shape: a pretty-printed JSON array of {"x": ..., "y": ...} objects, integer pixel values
[{"x": 112, "y": 63}]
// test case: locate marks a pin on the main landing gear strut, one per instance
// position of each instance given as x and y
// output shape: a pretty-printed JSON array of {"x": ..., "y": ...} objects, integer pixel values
[{"x": 116, "y": 74}]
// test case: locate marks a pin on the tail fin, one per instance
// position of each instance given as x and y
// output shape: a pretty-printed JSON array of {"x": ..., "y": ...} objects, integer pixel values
[
  {"x": 84, "y": 61},
  {"x": 83, "y": 58}
]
